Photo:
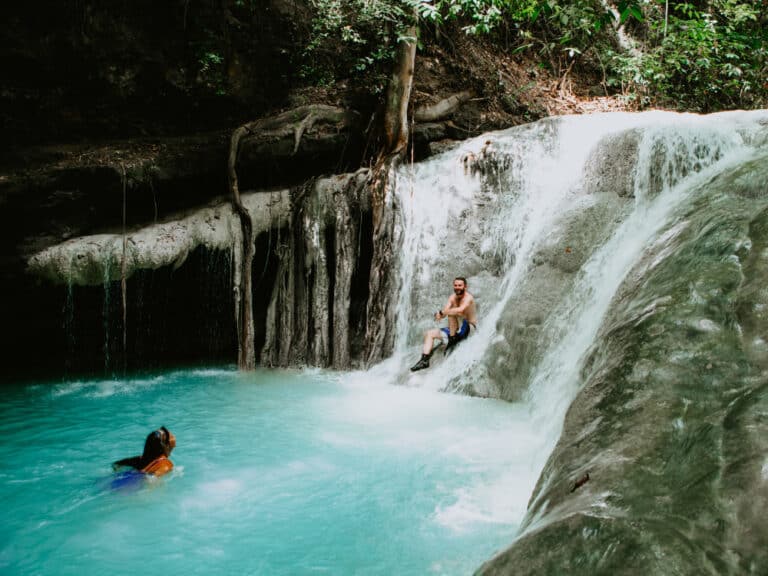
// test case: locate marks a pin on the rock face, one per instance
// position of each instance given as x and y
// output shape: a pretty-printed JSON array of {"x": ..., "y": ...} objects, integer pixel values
[
  {"x": 62, "y": 221},
  {"x": 316, "y": 313},
  {"x": 313, "y": 253},
  {"x": 670, "y": 423},
  {"x": 569, "y": 243}
]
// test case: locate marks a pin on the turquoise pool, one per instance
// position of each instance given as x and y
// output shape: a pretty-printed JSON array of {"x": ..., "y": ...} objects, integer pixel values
[{"x": 277, "y": 472}]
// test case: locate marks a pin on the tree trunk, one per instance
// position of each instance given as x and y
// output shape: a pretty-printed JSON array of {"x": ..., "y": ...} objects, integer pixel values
[
  {"x": 399, "y": 95},
  {"x": 246, "y": 359},
  {"x": 380, "y": 333}
]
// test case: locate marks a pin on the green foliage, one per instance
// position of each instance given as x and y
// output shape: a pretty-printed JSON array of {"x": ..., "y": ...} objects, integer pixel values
[
  {"x": 566, "y": 18},
  {"x": 560, "y": 31},
  {"x": 211, "y": 72},
  {"x": 481, "y": 15},
  {"x": 207, "y": 70},
  {"x": 353, "y": 35},
  {"x": 359, "y": 35},
  {"x": 573, "y": 27},
  {"x": 701, "y": 58},
  {"x": 629, "y": 10},
  {"x": 701, "y": 54}
]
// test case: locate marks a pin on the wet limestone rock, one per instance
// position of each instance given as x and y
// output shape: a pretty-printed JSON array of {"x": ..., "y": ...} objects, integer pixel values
[
  {"x": 99, "y": 258},
  {"x": 670, "y": 422}
]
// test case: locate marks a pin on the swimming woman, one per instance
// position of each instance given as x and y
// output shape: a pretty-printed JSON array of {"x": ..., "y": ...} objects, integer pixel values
[{"x": 154, "y": 460}]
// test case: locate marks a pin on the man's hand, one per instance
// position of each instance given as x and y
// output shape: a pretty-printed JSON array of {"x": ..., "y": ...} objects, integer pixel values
[{"x": 438, "y": 314}]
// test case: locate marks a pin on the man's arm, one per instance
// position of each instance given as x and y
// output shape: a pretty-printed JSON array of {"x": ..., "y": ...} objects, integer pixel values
[
  {"x": 458, "y": 310},
  {"x": 443, "y": 312}
]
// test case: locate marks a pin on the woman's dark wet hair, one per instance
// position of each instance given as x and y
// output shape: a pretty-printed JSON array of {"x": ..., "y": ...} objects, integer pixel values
[{"x": 158, "y": 443}]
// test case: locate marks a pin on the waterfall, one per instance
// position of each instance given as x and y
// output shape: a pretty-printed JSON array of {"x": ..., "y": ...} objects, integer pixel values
[
  {"x": 492, "y": 209},
  {"x": 674, "y": 160},
  {"x": 548, "y": 221}
]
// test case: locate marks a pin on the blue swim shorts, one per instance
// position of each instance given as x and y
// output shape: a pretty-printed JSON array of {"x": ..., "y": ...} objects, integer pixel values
[{"x": 462, "y": 334}]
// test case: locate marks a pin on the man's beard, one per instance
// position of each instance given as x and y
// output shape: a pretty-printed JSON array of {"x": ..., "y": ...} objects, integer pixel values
[{"x": 458, "y": 292}]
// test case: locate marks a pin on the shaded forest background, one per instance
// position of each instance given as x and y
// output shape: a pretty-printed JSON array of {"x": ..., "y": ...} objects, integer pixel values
[{"x": 87, "y": 69}]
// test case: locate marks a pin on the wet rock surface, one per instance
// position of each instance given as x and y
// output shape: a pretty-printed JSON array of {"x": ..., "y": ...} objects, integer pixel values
[{"x": 670, "y": 421}]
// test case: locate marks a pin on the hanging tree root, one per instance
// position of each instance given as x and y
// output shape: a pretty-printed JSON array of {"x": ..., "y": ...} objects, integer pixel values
[{"x": 296, "y": 123}]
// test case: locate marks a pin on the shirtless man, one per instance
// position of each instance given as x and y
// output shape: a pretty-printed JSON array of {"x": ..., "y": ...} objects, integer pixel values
[{"x": 462, "y": 316}]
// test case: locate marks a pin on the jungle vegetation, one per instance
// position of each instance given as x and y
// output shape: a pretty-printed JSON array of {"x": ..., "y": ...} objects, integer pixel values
[{"x": 700, "y": 55}]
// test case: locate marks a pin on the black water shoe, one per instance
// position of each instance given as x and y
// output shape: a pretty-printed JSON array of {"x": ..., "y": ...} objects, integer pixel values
[{"x": 421, "y": 364}]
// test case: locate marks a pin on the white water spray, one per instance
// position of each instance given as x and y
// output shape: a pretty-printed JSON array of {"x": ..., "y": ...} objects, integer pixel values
[{"x": 692, "y": 151}]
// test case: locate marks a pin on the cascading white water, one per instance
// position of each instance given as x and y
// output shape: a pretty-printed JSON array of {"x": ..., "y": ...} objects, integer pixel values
[
  {"x": 456, "y": 224},
  {"x": 692, "y": 151}
]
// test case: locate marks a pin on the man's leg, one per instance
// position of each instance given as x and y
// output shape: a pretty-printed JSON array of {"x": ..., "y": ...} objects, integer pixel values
[
  {"x": 455, "y": 337},
  {"x": 453, "y": 325},
  {"x": 429, "y": 340},
  {"x": 426, "y": 351}
]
